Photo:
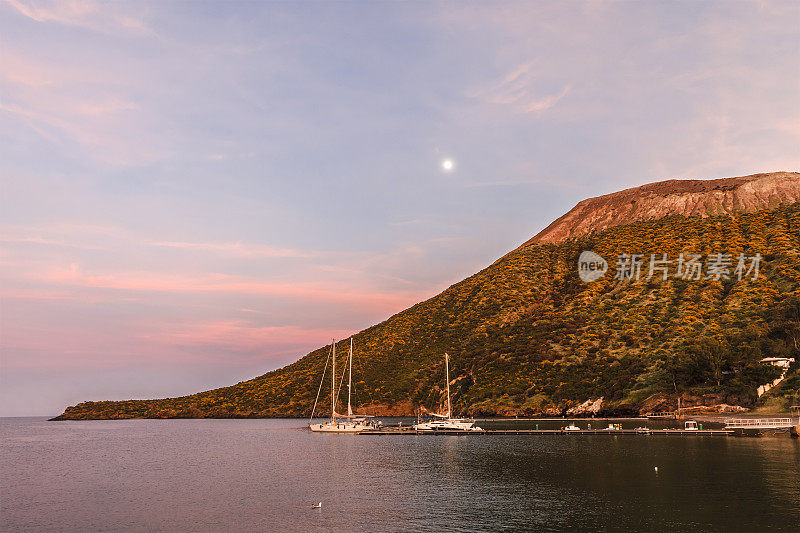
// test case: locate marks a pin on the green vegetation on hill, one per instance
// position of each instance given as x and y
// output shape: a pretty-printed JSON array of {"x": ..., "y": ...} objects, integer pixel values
[{"x": 527, "y": 336}]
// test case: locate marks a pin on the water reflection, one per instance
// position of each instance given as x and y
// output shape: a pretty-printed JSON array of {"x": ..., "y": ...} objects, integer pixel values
[{"x": 211, "y": 475}]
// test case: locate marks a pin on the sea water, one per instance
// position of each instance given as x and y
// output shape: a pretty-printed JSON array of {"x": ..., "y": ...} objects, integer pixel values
[{"x": 265, "y": 475}]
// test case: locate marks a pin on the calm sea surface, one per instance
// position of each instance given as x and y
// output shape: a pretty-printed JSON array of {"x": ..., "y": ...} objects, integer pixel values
[{"x": 264, "y": 475}]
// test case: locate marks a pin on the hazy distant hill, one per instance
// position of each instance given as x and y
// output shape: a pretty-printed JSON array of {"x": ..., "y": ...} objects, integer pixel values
[{"x": 527, "y": 336}]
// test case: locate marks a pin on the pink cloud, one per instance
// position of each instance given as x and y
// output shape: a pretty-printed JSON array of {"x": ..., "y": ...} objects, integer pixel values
[
  {"x": 46, "y": 344},
  {"x": 142, "y": 281},
  {"x": 517, "y": 89},
  {"x": 81, "y": 13},
  {"x": 237, "y": 249},
  {"x": 238, "y": 335},
  {"x": 356, "y": 279},
  {"x": 42, "y": 343},
  {"x": 76, "y": 235},
  {"x": 23, "y": 72},
  {"x": 542, "y": 104},
  {"x": 48, "y": 242}
]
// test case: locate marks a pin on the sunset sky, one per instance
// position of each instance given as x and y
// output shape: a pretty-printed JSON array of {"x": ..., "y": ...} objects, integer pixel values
[{"x": 194, "y": 193}]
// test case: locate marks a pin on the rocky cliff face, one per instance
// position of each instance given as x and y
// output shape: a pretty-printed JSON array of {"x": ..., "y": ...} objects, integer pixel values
[{"x": 653, "y": 201}]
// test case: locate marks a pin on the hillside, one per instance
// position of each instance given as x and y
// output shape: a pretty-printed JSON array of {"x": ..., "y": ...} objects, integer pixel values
[
  {"x": 527, "y": 336},
  {"x": 703, "y": 198}
]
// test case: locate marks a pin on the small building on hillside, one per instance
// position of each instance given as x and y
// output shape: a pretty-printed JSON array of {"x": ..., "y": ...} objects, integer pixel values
[{"x": 783, "y": 362}]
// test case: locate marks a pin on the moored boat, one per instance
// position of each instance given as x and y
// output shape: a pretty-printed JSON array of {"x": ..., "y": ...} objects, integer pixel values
[
  {"x": 338, "y": 423},
  {"x": 447, "y": 422}
]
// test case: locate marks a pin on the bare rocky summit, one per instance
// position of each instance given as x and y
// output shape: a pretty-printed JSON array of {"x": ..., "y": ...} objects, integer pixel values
[{"x": 653, "y": 201}]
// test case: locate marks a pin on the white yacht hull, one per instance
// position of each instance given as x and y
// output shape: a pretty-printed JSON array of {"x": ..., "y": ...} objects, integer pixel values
[
  {"x": 338, "y": 427},
  {"x": 453, "y": 424}
]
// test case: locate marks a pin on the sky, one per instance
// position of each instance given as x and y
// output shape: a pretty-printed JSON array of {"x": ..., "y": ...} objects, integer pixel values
[{"x": 195, "y": 193}]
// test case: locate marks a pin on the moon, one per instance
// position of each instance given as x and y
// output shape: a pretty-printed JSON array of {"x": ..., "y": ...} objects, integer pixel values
[{"x": 447, "y": 165}]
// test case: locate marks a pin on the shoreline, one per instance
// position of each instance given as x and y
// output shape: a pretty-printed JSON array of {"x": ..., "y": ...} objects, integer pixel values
[{"x": 700, "y": 417}]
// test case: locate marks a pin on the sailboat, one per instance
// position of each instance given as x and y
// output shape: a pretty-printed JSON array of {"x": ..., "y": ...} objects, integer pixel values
[
  {"x": 339, "y": 423},
  {"x": 447, "y": 422}
]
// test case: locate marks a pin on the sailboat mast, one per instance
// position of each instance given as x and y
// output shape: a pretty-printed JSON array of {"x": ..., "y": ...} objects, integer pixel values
[
  {"x": 447, "y": 370},
  {"x": 333, "y": 383},
  {"x": 350, "y": 380}
]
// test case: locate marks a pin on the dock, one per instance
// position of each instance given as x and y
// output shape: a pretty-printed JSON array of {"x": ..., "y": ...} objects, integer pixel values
[
  {"x": 564, "y": 419},
  {"x": 393, "y": 430},
  {"x": 761, "y": 423}
]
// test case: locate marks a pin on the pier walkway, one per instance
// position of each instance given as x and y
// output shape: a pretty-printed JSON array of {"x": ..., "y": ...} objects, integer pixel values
[
  {"x": 761, "y": 423},
  {"x": 584, "y": 432}
]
